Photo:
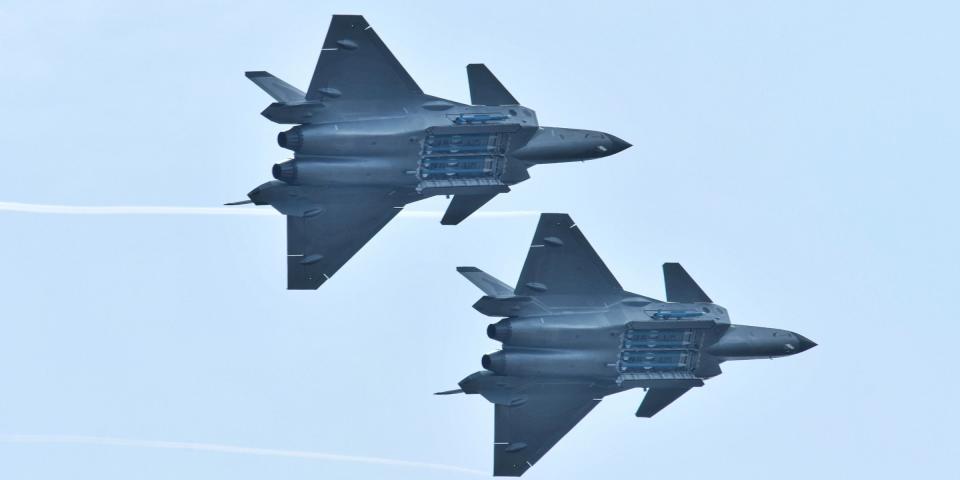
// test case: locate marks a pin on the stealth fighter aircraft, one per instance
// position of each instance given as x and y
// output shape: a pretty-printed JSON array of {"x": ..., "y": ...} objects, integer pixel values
[
  {"x": 573, "y": 336},
  {"x": 368, "y": 141}
]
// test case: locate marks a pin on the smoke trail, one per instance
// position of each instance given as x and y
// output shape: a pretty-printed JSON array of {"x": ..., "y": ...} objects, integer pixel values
[
  {"x": 130, "y": 210},
  {"x": 164, "y": 210},
  {"x": 231, "y": 449}
]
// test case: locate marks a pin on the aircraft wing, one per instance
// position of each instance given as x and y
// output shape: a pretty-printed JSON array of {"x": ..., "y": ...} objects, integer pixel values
[
  {"x": 354, "y": 63},
  {"x": 526, "y": 430},
  {"x": 320, "y": 241},
  {"x": 562, "y": 262},
  {"x": 326, "y": 226}
]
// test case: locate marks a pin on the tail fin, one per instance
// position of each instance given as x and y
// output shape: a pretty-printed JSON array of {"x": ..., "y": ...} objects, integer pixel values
[
  {"x": 486, "y": 282},
  {"x": 281, "y": 91},
  {"x": 485, "y": 89},
  {"x": 681, "y": 287}
]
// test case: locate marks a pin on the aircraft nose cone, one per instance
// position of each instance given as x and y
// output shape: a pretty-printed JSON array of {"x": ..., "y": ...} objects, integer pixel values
[
  {"x": 805, "y": 343},
  {"x": 619, "y": 144}
]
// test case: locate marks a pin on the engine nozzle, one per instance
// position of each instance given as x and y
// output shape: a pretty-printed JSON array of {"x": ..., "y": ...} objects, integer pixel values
[
  {"x": 285, "y": 172},
  {"x": 291, "y": 139},
  {"x": 499, "y": 331},
  {"x": 495, "y": 362}
]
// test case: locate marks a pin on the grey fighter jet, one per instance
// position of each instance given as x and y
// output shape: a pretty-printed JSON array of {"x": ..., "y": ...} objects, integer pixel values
[
  {"x": 573, "y": 336},
  {"x": 368, "y": 141}
]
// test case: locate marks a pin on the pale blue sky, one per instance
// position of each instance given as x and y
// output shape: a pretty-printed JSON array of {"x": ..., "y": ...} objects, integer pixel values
[{"x": 800, "y": 160}]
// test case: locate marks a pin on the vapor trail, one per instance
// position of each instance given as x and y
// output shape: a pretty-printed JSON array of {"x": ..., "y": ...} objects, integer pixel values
[
  {"x": 165, "y": 210},
  {"x": 217, "y": 448}
]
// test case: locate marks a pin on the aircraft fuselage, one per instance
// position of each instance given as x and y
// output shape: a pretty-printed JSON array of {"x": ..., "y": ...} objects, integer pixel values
[
  {"x": 631, "y": 342},
  {"x": 424, "y": 143}
]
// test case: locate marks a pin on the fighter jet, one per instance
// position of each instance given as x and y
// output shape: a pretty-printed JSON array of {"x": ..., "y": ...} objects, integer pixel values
[
  {"x": 573, "y": 336},
  {"x": 368, "y": 141}
]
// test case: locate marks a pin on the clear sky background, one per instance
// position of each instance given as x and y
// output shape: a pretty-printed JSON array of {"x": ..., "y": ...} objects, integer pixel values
[{"x": 800, "y": 160}]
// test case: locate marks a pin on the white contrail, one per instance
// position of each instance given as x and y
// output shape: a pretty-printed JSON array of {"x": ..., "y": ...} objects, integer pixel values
[
  {"x": 240, "y": 210},
  {"x": 130, "y": 210},
  {"x": 217, "y": 448}
]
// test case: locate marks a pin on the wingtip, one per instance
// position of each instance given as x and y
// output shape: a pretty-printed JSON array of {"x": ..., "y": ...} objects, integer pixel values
[
  {"x": 449, "y": 392},
  {"x": 558, "y": 217},
  {"x": 467, "y": 269},
  {"x": 256, "y": 74},
  {"x": 362, "y": 22}
]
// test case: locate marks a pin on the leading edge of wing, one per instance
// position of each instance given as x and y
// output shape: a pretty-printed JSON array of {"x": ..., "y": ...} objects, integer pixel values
[
  {"x": 354, "y": 63},
  {"x": 326, "y": 227},
  {"x": 524, "y": 431},
  {"x": 562, "y": 262}
]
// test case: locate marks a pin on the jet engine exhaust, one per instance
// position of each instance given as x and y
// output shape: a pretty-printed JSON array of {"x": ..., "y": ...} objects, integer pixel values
[
  {"x": 291, "y": 139},
  {"x": 285, "y": 172},
  {"x": 495, "y": 362}
]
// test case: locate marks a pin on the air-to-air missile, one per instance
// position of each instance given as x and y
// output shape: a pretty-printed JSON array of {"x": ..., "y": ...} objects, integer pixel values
[{"x": 573, "y": 336}]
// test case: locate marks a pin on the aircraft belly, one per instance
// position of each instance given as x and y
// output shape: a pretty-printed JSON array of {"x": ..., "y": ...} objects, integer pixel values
[
  {"x": 584, "y": 331},
  {"x": 657, "y": 353},
  {"x": 551, "y": 363},
  {"x": 352, "y": 171},
  {"x": 381, "y": 138}
]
